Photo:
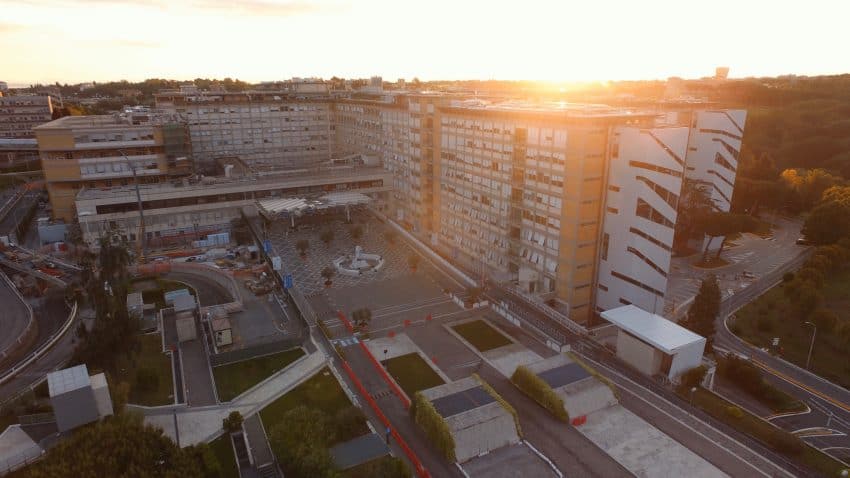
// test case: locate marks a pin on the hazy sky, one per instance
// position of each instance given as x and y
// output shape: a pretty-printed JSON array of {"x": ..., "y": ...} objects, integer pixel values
[{"x": 254, "y": 40}]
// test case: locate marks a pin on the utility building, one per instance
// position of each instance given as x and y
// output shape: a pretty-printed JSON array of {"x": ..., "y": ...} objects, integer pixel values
[
  {"x": 654, "y": 345},
  {"x": 77, "y": 398}
]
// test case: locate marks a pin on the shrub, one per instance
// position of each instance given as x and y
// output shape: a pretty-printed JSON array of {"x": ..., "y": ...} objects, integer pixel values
[
  {"x": 434, "y": 426},
  {"x": 764, "y": 323},
  {"x": 734, "y": 412},
  {"x": 540, "y": 391},
  {"x": 788, "y": 277},
  {"x": 302, "y": 246},
  {"x": 327, "y": 236},
  {"x": 233, "y": 422},
  {"x": 824, "y": 318},
  {"x": 693, "y": 377}
]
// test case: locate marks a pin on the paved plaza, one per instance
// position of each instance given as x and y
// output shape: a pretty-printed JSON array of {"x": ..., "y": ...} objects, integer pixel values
[{"x": 307, "y": 271}]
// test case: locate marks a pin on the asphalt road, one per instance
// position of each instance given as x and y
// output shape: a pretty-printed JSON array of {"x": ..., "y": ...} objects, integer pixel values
[
  {"x": 822, "y": 396},
  {"x": 14, "y": 318}
]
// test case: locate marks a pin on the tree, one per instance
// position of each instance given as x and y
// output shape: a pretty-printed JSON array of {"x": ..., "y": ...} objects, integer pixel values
[
  {"x": 413, "y": 260},
  {"x": 827, "y": 223},
  {"x": 361, "y": 317},
  {"x": 233, "y": 422},
  {"x": 123, "y": 446},
  {"x": 703, "y": 312},
  {"x": 327, "y": 236},
  {"x": 302, "y": 245},
  {"x": 694, "y": 203},
  {"x": 356, "y": 232},
  {"x": 723, "y": 224},
  {"x": 113, "y": 259},
  {"x": 328, "y": 273},
  {"x": 300, "y": 441},
  {"x": 809, "y": 185}
]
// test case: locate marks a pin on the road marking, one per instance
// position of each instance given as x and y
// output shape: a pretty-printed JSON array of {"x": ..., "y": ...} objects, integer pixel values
[
  {"x": 811, "y": 432},
  {"x": 805, "y": 387},
  {"x": 742, "y": 459}
]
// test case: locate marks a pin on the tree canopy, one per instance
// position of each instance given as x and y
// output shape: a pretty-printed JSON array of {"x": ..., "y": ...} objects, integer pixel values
[{"x": 703, "y": 312}]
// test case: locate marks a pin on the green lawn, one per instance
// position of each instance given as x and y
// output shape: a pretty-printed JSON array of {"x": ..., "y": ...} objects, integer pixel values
[
  {"x": 773, "y": 316},
  {"x": 233, "y": 379},
  {"x": 322, "y": 392},
  {"x": 761, "y": 430},
  {"x": 385, "y": 466},
  {"x": 150, "y": 356},
  {"x": 412, "y": 373},
  {"x": 481, "y": 335},
  {"x": 223, "y": 450}
]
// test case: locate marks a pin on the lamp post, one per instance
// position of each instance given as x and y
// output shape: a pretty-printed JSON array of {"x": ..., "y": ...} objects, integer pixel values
[
  {"x": 693, "y": 389},
  {"x": 812, "y": 344}
]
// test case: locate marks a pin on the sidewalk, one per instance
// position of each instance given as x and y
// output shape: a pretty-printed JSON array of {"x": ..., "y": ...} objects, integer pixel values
[{"x": 189, "y": 426}]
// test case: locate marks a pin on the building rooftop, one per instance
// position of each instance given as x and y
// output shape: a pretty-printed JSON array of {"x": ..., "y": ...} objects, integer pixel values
[
  {"x": 659, "y": 332},
  {"x": 69, "y": 379},
  {"x": 128, "y": 117},
  {"x": 217, "y": 185},
  {"x": 577, "y": 110}
]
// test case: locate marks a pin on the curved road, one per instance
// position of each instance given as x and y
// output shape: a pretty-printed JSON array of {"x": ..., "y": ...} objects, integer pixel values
[{"x": 15, "y": 315}]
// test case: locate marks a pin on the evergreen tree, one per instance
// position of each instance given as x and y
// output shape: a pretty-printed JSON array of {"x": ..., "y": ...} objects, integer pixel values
[{"x": 704, "y": 310}]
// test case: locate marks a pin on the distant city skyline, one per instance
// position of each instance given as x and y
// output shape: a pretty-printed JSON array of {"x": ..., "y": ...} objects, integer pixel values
[{"x": 74, "y": 41}]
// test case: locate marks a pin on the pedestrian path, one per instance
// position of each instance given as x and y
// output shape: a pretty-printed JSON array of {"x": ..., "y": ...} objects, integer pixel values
[{"x": 189, "y": 426}]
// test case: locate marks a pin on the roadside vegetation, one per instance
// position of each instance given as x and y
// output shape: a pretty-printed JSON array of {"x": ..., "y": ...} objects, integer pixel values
[
  {"x": 481, "y": 335},
  {"x": 540, "y": 391},
  {"x": 747, "y": 377},
  {"x": 412, "y": 373},
  {"x": 231, "y": 380},
  {"x": 434, "y": 426}
]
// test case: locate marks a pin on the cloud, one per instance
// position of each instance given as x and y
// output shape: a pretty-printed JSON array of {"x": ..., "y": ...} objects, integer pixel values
[{"x": 6, "y": 27}]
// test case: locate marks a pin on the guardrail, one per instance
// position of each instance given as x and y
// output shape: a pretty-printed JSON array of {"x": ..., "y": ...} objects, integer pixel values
[
  {"x": 28, "y": 334},
  {"x": 12, "y": 372}
]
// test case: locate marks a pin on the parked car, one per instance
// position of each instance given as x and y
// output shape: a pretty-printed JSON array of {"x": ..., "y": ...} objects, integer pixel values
[{"x": 803, "y": 242}]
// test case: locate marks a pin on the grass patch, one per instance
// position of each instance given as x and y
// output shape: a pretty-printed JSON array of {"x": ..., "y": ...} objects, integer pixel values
[
  {"x": 765, "y": 432},
  {"x": 412, "y": 373},
  {"x": 234, "y": 379},
  {"x": 153, "y": 362},
  {"x": 385, "y": 466},
  {"x": 223, "y": 451},
  {"x": 481, "y": 335},
  {"x": 322, "y": 392},
  {"x": 773, "y": 315}
]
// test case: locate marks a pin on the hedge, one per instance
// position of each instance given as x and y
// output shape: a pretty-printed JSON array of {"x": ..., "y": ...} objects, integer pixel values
[
  {"x": 540, "y": 391},
  {"x": 507, "y": 406},
  {"x": 434, "y": 426}
]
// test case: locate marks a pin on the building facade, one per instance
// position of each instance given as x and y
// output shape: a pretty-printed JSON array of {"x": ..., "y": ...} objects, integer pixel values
[
  {"x": 20, "y": 114},
  {"x": 105, "y": 151}
]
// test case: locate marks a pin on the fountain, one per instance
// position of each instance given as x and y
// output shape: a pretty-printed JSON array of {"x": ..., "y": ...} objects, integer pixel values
[{"x": 359, "y": 264}]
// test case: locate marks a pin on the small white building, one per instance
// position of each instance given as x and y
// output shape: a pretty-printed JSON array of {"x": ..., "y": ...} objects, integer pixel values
[
  {"x": 78, "y": 398},
  {"x": 654, "y": 345}
]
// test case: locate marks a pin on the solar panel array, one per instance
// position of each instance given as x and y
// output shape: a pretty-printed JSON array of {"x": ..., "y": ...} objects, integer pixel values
[{"x": 462, "y": 401}]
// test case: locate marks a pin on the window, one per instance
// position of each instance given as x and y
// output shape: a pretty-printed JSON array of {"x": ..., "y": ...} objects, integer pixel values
[
  {"x": 652, "y": 167},
  {"x": 637, "y": 283},
  {"x": 646, "y": 211},
  {"x": 605, "y": 240},
  {"x": 649, "y": 238}
]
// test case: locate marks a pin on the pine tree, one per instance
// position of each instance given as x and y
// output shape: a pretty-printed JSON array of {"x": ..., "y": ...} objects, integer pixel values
[{"x": 704, "y": 310}]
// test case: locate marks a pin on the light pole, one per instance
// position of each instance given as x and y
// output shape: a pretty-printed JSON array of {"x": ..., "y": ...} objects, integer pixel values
[
  {"x": 812, "y": 345},
  {"x": 693, "y": 389}
]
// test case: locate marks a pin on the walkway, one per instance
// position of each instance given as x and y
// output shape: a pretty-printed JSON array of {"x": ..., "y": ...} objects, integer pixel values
[{"x": 189, "y": 426}]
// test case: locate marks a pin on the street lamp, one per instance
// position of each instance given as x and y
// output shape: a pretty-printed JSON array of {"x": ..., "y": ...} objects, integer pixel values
[
  {"x": 693, "y": 389},
  {"x": 812, "y": 345}
]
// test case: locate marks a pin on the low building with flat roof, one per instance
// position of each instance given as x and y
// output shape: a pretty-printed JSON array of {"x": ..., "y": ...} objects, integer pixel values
[
  {"x": 78, "y": 398},
  {"x": 654, "y": 345}
]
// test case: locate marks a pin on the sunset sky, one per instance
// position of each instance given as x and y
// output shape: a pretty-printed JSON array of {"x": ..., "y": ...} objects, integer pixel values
[{"x": 255, "y": 40}]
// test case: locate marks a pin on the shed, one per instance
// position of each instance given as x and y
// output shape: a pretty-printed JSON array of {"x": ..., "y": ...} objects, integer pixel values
[
  {"x": 222, "y": 331},
  {"x": 78, "y": 399},
  {"x": 652, "y": 344}
]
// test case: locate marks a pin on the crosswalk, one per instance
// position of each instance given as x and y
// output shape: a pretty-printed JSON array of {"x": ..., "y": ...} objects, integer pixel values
[{"x": 346, "y": 342}]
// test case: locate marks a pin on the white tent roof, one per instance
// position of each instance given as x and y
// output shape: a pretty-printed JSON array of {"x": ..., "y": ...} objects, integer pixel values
[
  {"x": 275, "y": 206},
  {"x": 659, "y": 332},
  {"x": 294, "y": 205}
]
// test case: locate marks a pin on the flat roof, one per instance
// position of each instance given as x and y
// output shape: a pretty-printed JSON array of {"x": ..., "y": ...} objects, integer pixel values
[
  {"x": 66, "y": 380},
  {"x": 659, "y": 332}
]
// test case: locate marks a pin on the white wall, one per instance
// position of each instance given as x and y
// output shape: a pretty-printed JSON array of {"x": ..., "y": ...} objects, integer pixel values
[
  {"x": 638, "y": 354},
  {"x": 713, "y": 148},
  {"x": 687, "y": 358},
  {"x": 642, "y": 257}
]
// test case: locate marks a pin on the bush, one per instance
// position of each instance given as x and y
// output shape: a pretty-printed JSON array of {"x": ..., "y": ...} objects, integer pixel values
[
  {"x": 348, "y": 422},
  {"x": 693, "y": 377},
  {"x": 748, "y": 377},
  {"x": 434, "y": 426},
  {"x": 788, "y": 277},
  {"x": 327, "y": 236},
  {"x": 233, "y": 422},
  {"x": 540, "y": 391},
  {"x": 785, "y": 442},
  {"x": 824, "y": 318},
  {"x": 734, "y": 412},
  {"x": 764, "y": 323}
]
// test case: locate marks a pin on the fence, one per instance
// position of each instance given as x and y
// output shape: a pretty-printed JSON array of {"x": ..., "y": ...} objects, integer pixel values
[{"x": 254, "y": 351}]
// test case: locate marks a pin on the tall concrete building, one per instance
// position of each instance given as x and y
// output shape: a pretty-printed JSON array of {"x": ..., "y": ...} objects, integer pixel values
[
  {"x": 104, "y": 151},
  {"x": 266, "y": 129},
  {"x": 573, "y": 203},
  {"x": 20, "y": 114}
]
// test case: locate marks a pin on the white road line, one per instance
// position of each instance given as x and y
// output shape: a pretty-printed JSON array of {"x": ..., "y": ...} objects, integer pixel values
[{"x": 742, "y": 459}]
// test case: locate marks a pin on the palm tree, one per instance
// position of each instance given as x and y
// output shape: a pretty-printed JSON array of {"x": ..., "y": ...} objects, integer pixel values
[
  {"x": 361, "y": 318},
  {"x": 302, "y": 246},
  {"x": 328, "y": 273}
]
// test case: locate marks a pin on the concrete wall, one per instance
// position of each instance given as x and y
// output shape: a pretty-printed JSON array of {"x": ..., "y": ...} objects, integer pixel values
[
  {"x": 687, "y": 358},
  {"x": 481, "y": 437},
  {"x": 586, "y": 396},
  {"x": 75, "y": 408},
  {"x": 638, "y": 354}
]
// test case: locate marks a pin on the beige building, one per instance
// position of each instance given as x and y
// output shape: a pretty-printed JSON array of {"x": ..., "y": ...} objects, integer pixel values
[
  {"x": 103, "y": 151},
  {"x": 20, "y": 114}
]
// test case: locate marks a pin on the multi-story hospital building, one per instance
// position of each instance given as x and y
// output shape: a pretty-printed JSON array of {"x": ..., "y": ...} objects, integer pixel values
[{"x": 573, "y": 202}]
